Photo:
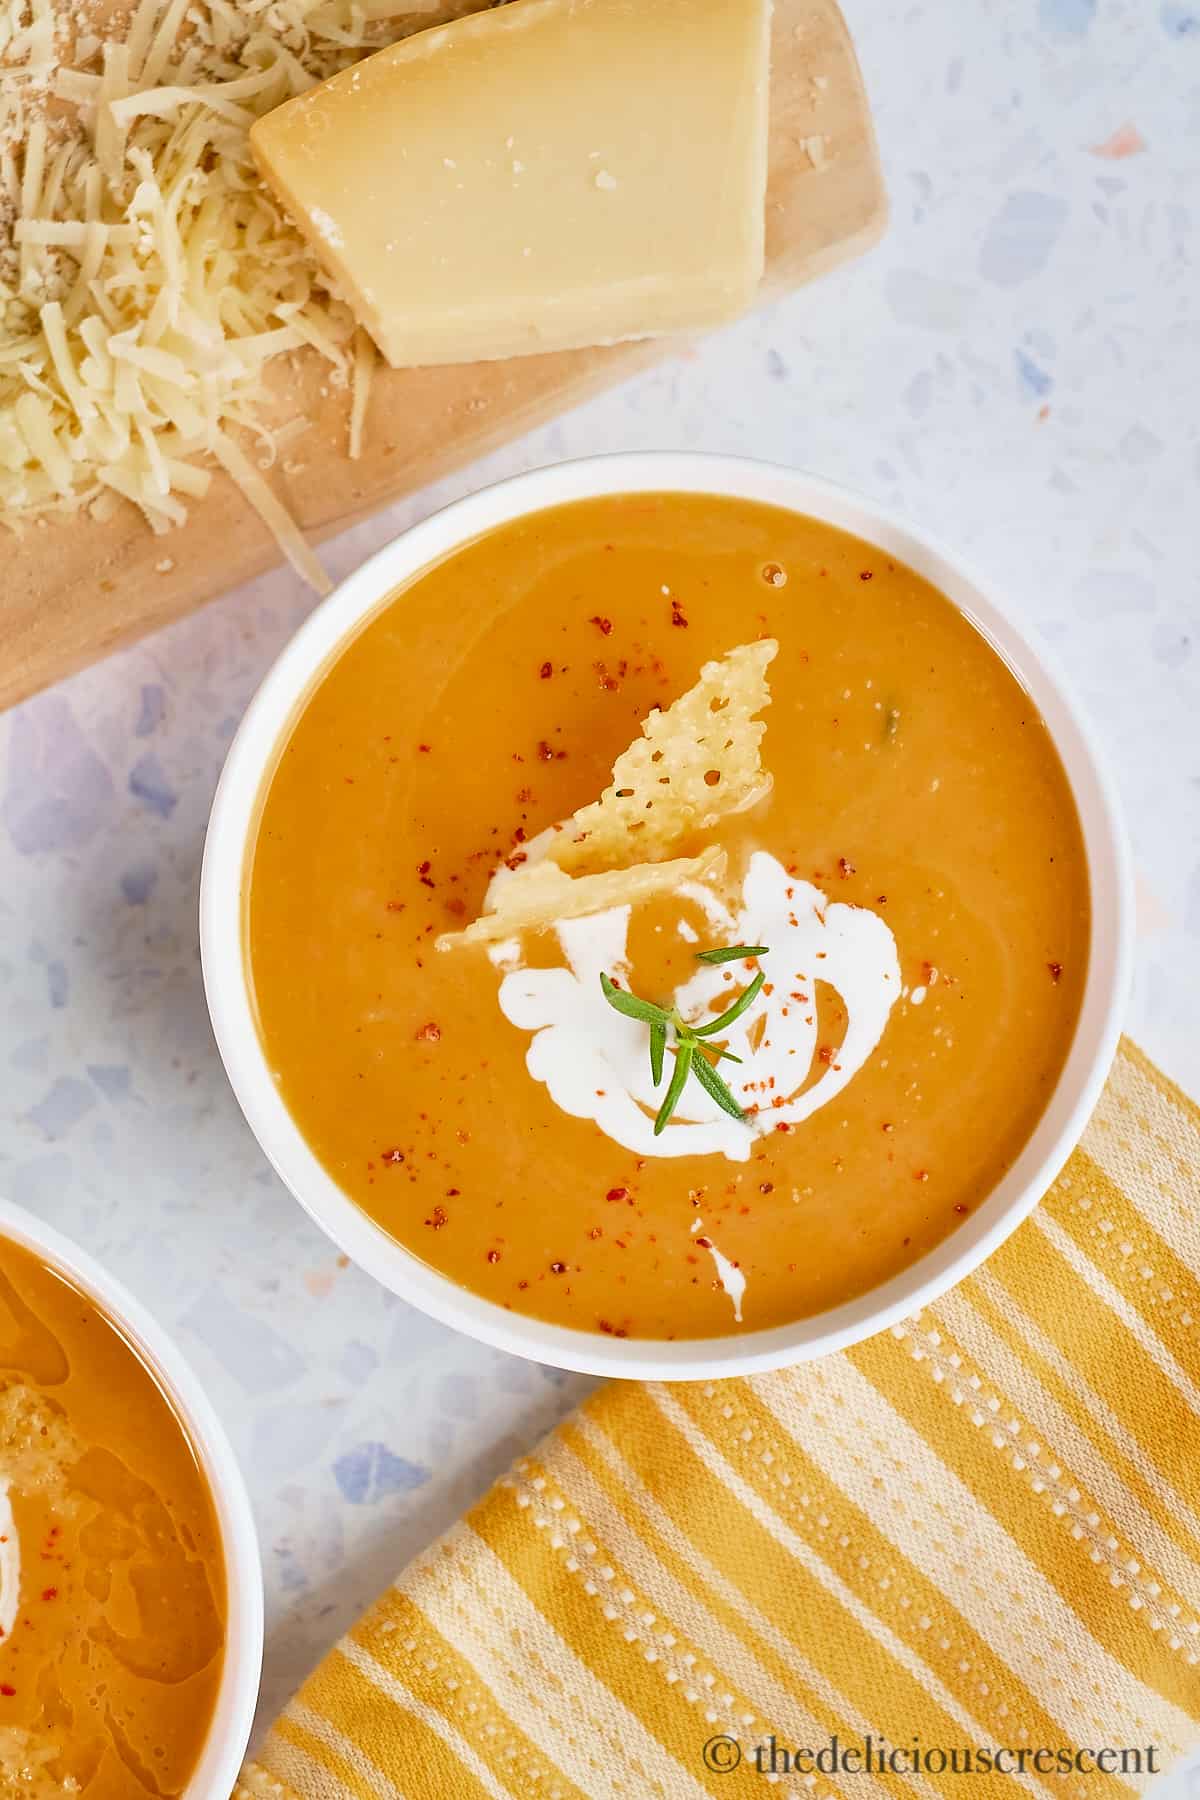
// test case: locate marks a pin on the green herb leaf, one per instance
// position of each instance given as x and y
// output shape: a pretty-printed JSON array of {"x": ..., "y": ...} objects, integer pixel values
[
  {"x": 683, "y": 1067},
  {"x": 732, "y": 954},
  {"x": 735, "y": 1011},
  {"x": 711, "y": 1082},
  {"x": 690, "y": 1059},
  {"x": 630, "y": 1005},
  {"x": 658, "y": 1049}
]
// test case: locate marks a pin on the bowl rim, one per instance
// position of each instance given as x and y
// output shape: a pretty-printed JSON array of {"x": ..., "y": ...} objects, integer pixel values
[
  {"x": 237, "y": 1696},
  {"x": 276, "y": 705}
]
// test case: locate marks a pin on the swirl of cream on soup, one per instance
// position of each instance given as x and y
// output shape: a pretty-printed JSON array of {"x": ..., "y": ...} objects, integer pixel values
[
  {"x": 10, "y": 1567},
  {"x": 594, "y": 1062}
]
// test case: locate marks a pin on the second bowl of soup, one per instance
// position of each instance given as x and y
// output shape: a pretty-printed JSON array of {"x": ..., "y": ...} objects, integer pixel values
[
  {"x": 130, "y": 1592},
  {"x": 661, "y": 915}
]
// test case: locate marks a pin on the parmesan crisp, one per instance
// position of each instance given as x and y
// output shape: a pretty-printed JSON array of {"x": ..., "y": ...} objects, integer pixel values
[
  {"x": 694, "y": 765},
  {"x": 541, "y": 894}
]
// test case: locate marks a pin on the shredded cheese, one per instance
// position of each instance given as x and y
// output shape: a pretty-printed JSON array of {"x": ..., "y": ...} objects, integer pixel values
[{"x": 147, "y": 277}]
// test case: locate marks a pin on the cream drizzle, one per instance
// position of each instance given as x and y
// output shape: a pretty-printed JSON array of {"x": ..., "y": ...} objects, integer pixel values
[
  {"x": 594, "y": 1063},
  {"x": 731, "y": 1278},
  {"x": 10, "y": 1567}
]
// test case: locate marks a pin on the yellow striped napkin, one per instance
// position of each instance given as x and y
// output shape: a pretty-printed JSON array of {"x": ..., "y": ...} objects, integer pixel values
[{"x": 979, "y": 1532}]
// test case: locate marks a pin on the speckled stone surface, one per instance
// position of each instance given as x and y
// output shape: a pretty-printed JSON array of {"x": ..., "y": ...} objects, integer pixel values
[{"x": 1018, "y": 366}]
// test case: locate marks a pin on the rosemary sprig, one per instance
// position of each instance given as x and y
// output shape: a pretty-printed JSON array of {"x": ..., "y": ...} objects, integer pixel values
[
  {"x": 687, "y": 1041},
  {"x": 731, "y": 953}
]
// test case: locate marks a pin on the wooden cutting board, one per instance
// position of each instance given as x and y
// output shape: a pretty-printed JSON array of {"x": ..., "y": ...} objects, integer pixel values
[{"x": 73, "y": 591}]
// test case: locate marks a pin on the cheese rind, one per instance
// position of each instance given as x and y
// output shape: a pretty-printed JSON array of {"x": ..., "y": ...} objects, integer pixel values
[{"x": 540, "y": 176}]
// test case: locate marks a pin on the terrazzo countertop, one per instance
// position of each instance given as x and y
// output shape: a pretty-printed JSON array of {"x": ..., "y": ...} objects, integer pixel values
[{"x": 1018, "y": 366}]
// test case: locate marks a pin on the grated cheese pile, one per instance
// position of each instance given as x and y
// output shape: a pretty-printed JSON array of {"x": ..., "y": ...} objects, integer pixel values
[
  {"x": 693, "y": 765},
  {"x": 147, "y": 277}
]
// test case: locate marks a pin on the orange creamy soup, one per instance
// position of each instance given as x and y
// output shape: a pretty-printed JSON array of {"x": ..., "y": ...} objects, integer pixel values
[
  {"x": 915, "y": 881},
  {"x": 112, "y": 1585}
]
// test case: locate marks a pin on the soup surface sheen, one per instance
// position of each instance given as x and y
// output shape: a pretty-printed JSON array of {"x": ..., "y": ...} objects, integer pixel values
[
  {"x": 915, "y": 789},
  {"x": 112, "y": 1585}
]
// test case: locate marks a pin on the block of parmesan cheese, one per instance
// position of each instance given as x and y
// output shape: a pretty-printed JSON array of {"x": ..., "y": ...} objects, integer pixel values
[{"x": 539, "y": 176}]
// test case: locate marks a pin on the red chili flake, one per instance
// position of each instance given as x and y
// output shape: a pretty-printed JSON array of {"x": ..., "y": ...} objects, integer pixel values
[
  {"x": 558, "y": 1268},
  {"x": 705, "y": 1243},
  {"x": 603, "y": 626},
  {"x": 545, "y": 752},
  {"x": 920, "y": 1174},
  {"x": 766, "y": 1187},
  {"x": 452, "y": 1193},
  {"x": 6, "y": 1690},
  {"x": 49, "y": 1594},
  {"x": 522, "y": 1285},
  {"x": 1055, "y": 971},
  {"x": 596, "y": 1232},
  {"x": 617, "y": 1193},
  {"x": 424, "y": 749},
  {"x": 865, "y": 574},
  {"x": 437, "y": 1218},
  {"x": 392, "y": 1156},
  {"x": 881, "y": 899},
  {"x": 429, "y": 1034},
  {"x": 886, "y": 1127},
  {"x": 516, "y": 859},
  {"x": 493, "y": 1256},
  {"x": 546, "y": 671},
  {"x": 605, "y": 1326},
  {"x": 781, "y": 1126},
  {"x": 825, "y": 1054},
  {"x": 846, "y": 867},
  {"x": 677, "y": 615}
]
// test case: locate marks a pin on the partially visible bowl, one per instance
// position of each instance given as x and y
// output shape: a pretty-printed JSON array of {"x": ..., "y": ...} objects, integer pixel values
[
  {"x": 237, "y": 1695},
  {"x": 226, "y": 974}
]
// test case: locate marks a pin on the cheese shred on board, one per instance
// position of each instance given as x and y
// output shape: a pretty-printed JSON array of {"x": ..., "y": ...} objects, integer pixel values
[{"x": 147, "y": 277}]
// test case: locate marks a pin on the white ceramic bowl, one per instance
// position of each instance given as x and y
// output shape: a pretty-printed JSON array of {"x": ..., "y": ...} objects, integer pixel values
[
  {"x": 225, "y": 975},
  {"x": 237, "y": 1695}
]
